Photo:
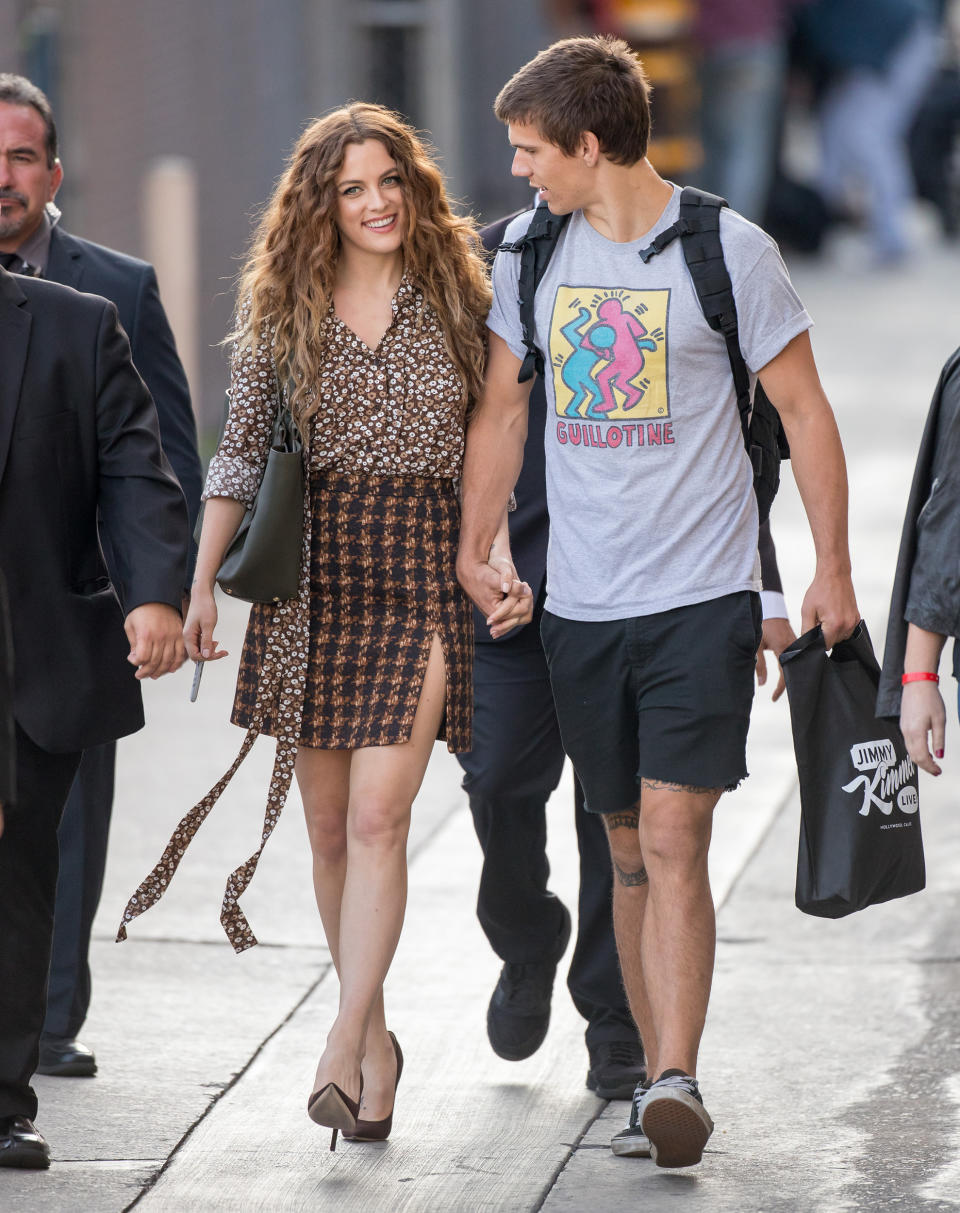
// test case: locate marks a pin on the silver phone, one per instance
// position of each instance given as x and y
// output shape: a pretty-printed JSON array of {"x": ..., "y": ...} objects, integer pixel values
[{"x": 195, "y": 685}]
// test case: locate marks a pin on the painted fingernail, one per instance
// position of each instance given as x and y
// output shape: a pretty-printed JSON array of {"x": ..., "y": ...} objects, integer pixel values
[{"x": 939, "y": 753}]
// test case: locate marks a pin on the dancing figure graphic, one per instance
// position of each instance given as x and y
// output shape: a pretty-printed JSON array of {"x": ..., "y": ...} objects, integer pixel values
[{"x": 620, "y": 337}]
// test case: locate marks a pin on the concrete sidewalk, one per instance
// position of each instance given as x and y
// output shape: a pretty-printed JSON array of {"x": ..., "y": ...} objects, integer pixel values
[{"x": 831, "y": 1062}]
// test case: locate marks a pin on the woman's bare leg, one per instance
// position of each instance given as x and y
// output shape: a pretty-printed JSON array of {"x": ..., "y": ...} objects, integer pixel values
[
  {"x": 384, "y": 781},
  {"x": 324, "y": 780}
]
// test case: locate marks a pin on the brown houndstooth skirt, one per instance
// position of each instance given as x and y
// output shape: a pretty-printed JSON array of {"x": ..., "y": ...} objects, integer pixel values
[{"x": 382, "y": 582}]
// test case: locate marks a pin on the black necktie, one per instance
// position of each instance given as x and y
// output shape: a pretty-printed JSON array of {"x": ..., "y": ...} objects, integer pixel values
[{"x": 16, "y": 264}]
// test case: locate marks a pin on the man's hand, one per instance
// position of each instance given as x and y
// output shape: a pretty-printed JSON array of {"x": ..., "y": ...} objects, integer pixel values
[
  {"x": 155, "y": 632},
  {"x": 831, "y": 602},
  {"x": 777, "y": 635},
  {"x": 923, "y": 716}
]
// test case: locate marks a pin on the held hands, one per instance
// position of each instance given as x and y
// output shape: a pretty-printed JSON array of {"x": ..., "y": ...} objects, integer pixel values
[
  {"x": 505, "y": 601},
  {"x": 831, "y": 602},
  {"x": 156, "y": 641},
  {"x": 199, "y": 627},
  {"x": 777, "y": 635},
  {"x": 923, "y": 715}
]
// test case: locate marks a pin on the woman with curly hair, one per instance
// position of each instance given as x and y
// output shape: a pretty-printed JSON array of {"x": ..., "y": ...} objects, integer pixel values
[{"x": 362, "y": 304}]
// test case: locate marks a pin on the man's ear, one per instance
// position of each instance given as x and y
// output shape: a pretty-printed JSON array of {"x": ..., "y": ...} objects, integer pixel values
[
  {"x": 589, "y": 148},
  {"x": 56, "y": 177}
]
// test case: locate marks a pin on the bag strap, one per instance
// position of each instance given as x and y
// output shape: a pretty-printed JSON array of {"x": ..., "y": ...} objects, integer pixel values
[
  {"x": 535, "y": 247},
  {"x": 699, "y": 230},
  {"x": 286, "y": 432}
]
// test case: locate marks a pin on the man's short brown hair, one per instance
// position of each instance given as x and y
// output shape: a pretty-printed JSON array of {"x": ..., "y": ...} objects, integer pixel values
[{"x": 583, "y": 84}]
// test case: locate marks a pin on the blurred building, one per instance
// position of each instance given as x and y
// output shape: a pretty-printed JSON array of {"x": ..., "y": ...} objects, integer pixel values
[{"x": 176, "y": 117}]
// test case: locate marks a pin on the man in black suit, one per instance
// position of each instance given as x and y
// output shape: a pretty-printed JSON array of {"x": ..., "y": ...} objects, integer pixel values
[
  {"x": 510, "y": 774},
  {"x": 32, "y": 242},
  {"x": 80, "y": 460},
  {"x": 8, "y": 774}
]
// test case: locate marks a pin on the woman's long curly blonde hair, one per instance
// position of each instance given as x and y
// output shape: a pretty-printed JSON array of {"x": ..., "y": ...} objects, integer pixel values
[{"x": 286, "y": 284}]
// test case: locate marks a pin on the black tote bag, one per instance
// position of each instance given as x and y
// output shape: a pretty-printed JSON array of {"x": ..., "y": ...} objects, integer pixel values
[
  {"x": 860, "y": 840},
  {"x": 262, "y": 562}
]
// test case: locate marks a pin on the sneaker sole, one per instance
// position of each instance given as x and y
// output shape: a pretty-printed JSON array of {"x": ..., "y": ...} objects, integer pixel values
[
  {"x": 637, "y": 1148},
  {"x": 678, "y": 1127}
]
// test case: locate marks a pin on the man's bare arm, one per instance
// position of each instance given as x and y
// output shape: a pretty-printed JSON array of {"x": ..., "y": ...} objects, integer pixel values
[
  {"x": 491, "y": 466},
  {"x": 793, "y": 385}
]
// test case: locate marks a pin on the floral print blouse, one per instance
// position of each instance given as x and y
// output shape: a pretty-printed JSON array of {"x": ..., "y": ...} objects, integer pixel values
[{"x": 394, "y": 410}]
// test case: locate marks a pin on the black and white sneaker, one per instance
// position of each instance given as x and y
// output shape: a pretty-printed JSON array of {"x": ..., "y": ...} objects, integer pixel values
[
  {"x": 675, "y": 1121},
  {"x": 632, "y": 1142}
]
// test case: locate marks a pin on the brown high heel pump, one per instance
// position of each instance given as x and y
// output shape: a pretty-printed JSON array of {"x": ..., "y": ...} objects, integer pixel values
[
  {"x": 334, "y": 1109},
  {"x": 379, "y": 1130}
]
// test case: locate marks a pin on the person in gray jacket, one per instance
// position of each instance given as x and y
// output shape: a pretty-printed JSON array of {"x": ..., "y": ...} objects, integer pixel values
[{"x": 925, "y": 605}]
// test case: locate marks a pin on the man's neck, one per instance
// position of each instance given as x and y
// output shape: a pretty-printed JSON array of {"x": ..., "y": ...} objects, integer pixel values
[{"x": 628, "y": 201}]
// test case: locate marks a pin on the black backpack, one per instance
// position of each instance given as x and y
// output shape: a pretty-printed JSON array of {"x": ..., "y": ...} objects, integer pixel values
[{"x": 699, "y": 230}]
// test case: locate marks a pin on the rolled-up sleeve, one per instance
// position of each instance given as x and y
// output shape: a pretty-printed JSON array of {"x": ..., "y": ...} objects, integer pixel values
[{"x": 237, "y": 467}]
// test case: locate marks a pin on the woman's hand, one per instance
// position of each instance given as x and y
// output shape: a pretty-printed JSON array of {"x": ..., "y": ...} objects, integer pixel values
[
  {"x": 514, "y": 611},
  {"x": 923, "y": 715},
  {"x": 199, "y": 627},
  {"x": 516, "y": 606}
]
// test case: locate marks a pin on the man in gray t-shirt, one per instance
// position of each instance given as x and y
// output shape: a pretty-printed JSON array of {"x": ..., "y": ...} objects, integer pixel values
[
  {"x": 651, "y": 623},
  {"x": 641, "y": 402}
]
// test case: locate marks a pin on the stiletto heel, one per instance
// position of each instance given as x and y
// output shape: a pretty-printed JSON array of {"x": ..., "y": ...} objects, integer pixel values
[
  {"x": 334, "y": 1109},
  {"x": 379, "y": 1130}
]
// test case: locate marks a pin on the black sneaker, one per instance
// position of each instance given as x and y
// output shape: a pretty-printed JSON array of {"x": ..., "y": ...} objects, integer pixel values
[
  {"x": 519, "y": 1012},
  {"x": 632, "y": 1142},
  {"x": 674, "y": 1119},
  {"x": 616, "y": 1068}
]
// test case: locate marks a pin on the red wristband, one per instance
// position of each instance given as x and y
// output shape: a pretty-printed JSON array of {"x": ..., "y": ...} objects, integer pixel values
[{"x": 920, "y": 676}]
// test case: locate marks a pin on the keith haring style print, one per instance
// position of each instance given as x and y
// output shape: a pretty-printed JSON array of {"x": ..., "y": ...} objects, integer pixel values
[{"x": 608, "y": 350}]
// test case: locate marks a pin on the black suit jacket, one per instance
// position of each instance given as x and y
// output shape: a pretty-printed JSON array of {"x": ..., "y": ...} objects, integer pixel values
[
  {"x": 8, "y": 757},
  {"x": 530, "y": 522},
  {"x": 78, "y": 436},
  {"x": 132, "y": 286}
]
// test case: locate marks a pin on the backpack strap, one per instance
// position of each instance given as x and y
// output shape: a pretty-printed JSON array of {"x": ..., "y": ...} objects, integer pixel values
[
  {"x": 699, "y": 227},
  {"x": 535, "y": 247}
]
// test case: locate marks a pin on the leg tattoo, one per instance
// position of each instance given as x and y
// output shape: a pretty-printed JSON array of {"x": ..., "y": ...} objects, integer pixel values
[
  {"x": 663, "y": 785},
  {"x": 631, "y": 878},
  {"x": 629, "y": 818}
]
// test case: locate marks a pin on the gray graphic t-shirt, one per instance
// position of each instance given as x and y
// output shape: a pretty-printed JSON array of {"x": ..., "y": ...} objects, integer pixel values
[{"x": 649, "y": 489}]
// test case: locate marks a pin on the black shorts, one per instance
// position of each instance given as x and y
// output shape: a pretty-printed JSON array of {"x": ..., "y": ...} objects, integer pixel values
[{"x": 663, "y": 696}]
